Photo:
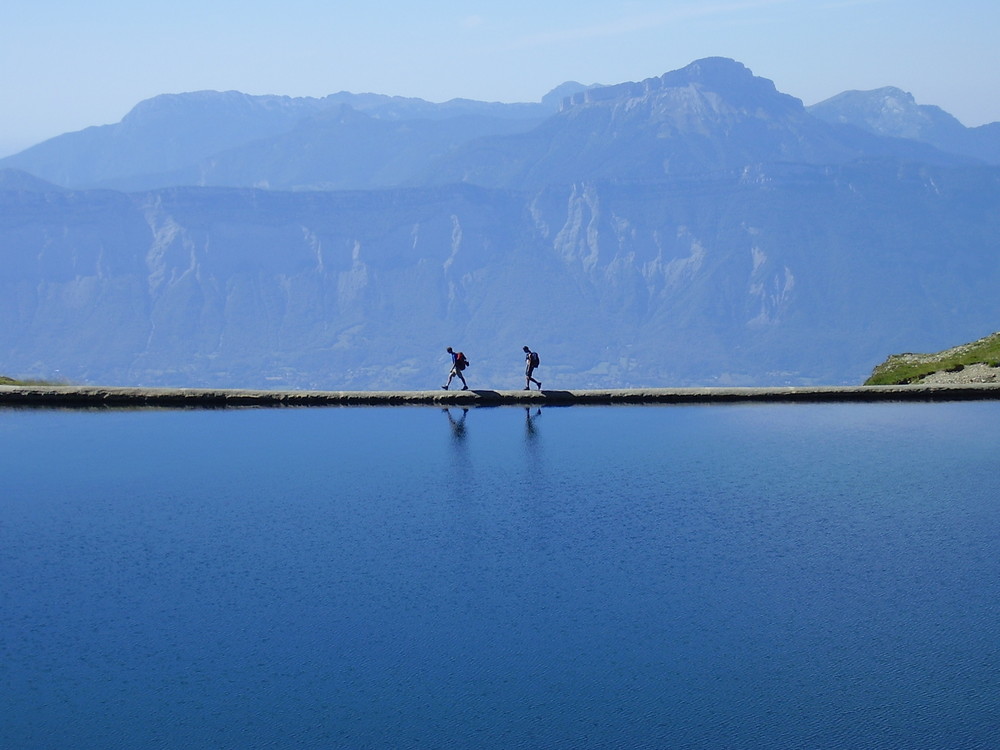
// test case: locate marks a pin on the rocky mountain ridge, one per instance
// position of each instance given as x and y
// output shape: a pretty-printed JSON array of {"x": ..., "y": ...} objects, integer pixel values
[
  {"x": 894, "y": 113},
  {"x": 714, "y": 114},
  {"x": 178, "y": 139}
]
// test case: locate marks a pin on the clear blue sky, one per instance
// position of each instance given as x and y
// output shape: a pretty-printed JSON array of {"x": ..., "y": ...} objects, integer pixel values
[{"x": 66, "y": 64}]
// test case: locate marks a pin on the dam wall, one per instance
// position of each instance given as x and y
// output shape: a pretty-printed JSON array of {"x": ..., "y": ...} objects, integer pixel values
[{"x": 66, "y": 396}]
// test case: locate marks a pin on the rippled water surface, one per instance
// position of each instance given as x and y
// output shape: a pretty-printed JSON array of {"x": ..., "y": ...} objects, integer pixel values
[{"x": 781, "y": 576}]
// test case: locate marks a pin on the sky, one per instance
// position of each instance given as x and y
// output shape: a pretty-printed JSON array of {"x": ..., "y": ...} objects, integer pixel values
[{"x": 66, "y": 65}]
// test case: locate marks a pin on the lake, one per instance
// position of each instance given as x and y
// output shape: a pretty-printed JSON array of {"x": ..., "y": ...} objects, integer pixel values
[{"x": 743, "y": 576}]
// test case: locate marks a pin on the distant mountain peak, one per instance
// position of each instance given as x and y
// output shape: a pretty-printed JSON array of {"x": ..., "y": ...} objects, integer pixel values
[
  {"x": 210, "y": 104},
  {"x": 712, "y": 71},
  {"x": 730, "y": 80},
  {"x": 891, "y": 93},
  {"x": 889, "y": 111},
  {"x": 564, "y": 90}
]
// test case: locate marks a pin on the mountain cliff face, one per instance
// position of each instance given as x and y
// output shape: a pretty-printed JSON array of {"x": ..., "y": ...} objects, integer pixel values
[
  {"x": 693, "y": 229},
  {"x": 735, "y": 280}
]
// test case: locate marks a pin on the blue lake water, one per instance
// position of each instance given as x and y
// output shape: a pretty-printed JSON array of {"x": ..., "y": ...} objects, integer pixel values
[{"x": 779, "y": 576}]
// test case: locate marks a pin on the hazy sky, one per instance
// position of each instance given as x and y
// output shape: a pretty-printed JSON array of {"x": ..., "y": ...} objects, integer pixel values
[{"x": 67, "y": 64}]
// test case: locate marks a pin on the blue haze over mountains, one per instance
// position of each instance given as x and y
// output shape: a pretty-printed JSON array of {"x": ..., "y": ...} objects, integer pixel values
[{"x": 698, "y": 228}]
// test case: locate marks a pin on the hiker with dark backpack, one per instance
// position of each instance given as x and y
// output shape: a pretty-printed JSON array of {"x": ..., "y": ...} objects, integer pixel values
[
  {"x": 458, "y": 363},
  {"x": 531, "y": 361}
]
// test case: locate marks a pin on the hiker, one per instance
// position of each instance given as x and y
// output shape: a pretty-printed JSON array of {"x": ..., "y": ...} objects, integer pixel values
[
  {"x": 531, "y": 361},
  {"x": 458, "y": 363}
]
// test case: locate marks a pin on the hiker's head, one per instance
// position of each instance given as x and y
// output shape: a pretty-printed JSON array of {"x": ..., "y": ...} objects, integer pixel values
[
  {"x": 449, "y": 350},
  {"x": 527, "y": 349}
]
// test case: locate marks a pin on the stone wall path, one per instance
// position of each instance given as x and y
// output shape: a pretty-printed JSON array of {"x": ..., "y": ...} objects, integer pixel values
[{"x": 126, "y": 397}]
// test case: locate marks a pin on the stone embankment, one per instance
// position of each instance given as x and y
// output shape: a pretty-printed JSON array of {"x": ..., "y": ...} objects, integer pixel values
[{"x": 124, "y": 397}]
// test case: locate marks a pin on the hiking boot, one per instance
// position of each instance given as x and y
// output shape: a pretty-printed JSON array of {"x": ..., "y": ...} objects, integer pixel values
[
  {"x": 527, "y": 388},
  {"x": 465, "y": 387},
  {"x": 445, "y": 387},
  {"x": 539, "y": 386}
]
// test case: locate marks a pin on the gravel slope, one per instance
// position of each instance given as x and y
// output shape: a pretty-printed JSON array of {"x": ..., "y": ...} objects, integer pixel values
[{"x": 978, "y": 373}]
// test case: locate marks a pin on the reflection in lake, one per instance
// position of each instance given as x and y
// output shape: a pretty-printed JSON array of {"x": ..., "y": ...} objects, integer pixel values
[
  {"x": 727, "y": 576},
  {"x": 457, "y": 425},
  {"x": 529, "y": 422}
]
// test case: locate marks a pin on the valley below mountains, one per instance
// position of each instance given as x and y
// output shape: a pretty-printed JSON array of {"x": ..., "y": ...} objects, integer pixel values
[{"x": 700, "y": 228}]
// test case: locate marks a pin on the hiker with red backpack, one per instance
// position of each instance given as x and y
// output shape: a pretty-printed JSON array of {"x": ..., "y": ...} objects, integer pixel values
[
  {"x": 531, "y": 361},
  {"x": 458, "y": 363}
]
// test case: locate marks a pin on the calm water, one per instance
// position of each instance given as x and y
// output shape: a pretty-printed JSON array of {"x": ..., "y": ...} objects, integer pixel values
[{"x": 801, "y": 576}]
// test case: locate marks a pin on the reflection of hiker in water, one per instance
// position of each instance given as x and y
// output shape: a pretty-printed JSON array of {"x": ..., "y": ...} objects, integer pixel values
[
  {"x": 458, "y": 363},
  {"x": 529, "y": 421},
  {"x": 531, "y": 361},
  {"x": 457, "y": 425}
]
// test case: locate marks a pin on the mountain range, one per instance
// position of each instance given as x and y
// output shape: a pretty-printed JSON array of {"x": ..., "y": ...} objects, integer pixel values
[
  {"x": 352, "y": 141},
  {"x": 712, "y": 115},
  {"x": 695, "y": 228}
]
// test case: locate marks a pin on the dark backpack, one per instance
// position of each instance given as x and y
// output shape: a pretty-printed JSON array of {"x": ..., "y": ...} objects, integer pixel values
[
  {"x": 460, "y": 361},
  {"x": 535, "y": 361}
]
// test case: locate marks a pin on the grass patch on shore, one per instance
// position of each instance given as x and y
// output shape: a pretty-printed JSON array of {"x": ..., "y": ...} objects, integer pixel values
[
  {"x": 901, "y": 369},
  {"x": 4, "y": 380}
]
